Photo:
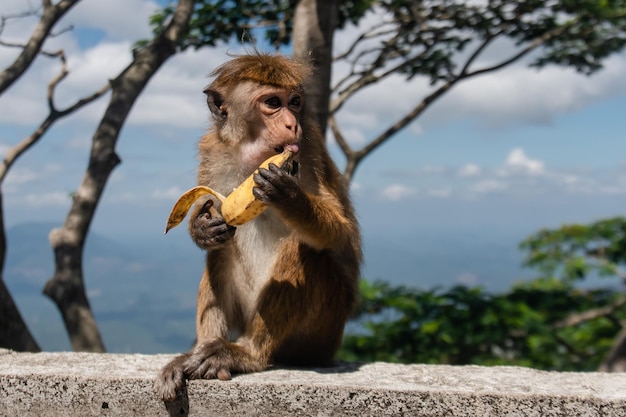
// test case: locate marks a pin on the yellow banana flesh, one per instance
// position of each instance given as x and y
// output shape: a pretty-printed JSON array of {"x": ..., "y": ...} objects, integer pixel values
[
  {"x": 238, "y": 208},
  {"x": 241, "y": 206}
]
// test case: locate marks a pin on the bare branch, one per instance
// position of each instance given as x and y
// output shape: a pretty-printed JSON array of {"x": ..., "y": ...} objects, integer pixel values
[
  {"x": 341, "y": 140},
  {"x": 354, "y": 158},
  {"x": 66, "y": 287},
  {"x": 578, "y": 318},
  {"x": 400, "y": 124},
  {"x": 371, "y": 33},
  {"x": 4, "y": 19},
  {"x": 477, "y": 53},
  {"x": 51, "y": 15},
  {"x": 369, "y": 78},
  {"x": 533, "y": 45},
  {"x": 16, "y": 151}
]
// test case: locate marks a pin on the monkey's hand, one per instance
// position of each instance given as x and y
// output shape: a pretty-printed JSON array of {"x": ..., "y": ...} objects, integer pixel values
[
  {"x": 208, "y": 231},
  {"x": 275, "y": 185}
]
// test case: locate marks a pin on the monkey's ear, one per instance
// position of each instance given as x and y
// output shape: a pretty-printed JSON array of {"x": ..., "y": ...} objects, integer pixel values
[{"x": 216, "y": 104}]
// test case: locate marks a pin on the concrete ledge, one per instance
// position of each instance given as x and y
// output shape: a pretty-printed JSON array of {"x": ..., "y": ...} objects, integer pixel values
[{"x": 82, "y": 384}]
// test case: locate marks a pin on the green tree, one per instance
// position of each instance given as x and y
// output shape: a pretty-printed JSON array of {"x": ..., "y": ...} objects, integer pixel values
[
  {"x": 536, "y": 324},
  {"x": 66, "y": 288},
  {"x": 575, "y": 252},
  {"x": 443, "y": 41}
]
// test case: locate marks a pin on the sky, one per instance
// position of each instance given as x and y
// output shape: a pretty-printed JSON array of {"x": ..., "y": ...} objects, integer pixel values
[{"x": 508, "y": 153}]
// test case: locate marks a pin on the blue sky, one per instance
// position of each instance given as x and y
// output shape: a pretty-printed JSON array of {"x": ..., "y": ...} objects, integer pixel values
[{"x": 513, "y": 151}]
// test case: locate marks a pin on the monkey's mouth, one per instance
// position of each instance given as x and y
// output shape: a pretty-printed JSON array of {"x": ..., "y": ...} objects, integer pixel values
[
  {"x": 292, "y": 166},
  {"x": 293, "y": 147}
]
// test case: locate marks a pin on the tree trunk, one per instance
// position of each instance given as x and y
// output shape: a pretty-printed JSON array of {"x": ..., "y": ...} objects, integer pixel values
[
  {"x": 313, "y": 28},
  {"x": 14, "y": 333},
  {"x": 66, "y": 288},
  {"x": 50, "y": 16},
  {"x": 616, "y": 359}
]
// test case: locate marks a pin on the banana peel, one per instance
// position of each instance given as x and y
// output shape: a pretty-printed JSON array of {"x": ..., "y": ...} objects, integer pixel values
[
  {"x": 238, "y": 208},
  {"x": 184, "y": 203}
]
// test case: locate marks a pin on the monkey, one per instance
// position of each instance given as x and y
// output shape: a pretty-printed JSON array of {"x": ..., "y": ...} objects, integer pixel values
[{"x": 279, "y": 289}]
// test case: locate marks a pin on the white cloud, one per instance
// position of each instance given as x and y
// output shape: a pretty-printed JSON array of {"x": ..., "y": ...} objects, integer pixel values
[
  {"x": 4, "y": 148},
  {"x": 398, "y": 192},
  {"x": 433, "y": 169},
  {"x": 19, "y": 176},
  {"x": 488, "y": 186},
  {"x": 521, "y": 95},
  {"x": 467, "y": 278},
  {"x": 440, "y": 192},
  {"x": 469, "y": 170},
  {"x": 173, "y": 96},
  {"x": 171, "y": 193},
  {"x": 55, "y": 198},
  {"x": 119, "y": 19},
  {"x": 511, "y": 96},
  {"x": 517, "y": 161},
  {"x": 95, "y": 66}
]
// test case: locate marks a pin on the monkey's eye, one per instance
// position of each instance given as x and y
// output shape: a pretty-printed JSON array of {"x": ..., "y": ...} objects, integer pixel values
[
  {"x": 273, "y": 102},
  {"x": 295, "y": 101}
]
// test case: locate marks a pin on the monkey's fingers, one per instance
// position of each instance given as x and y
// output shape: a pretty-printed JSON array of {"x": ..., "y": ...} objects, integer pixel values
[
  {"x": 184, "y": 203},
  {"x": 223, "y": 375},
  {"x": 241, "y": 205}
]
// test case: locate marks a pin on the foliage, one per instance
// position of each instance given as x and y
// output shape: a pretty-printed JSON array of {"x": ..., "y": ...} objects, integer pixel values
[
  {"x": 214, "y": 21},
  {"x": 469, "y": 326},
  {"x": 573, "y": 252},
  {"x": 449, "y": 41},
  {"x": 548, "y": 323}
]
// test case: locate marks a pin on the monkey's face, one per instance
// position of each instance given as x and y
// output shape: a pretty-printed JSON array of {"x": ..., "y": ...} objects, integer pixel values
[{"x": 259, "y": 120}]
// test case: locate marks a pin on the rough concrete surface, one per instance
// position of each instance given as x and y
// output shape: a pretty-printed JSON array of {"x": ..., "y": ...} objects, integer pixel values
[{"x": 84, "y": 384}]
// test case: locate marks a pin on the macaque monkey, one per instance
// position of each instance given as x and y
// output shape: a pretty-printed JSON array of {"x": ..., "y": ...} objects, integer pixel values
[{"x": 280, "y": 288}]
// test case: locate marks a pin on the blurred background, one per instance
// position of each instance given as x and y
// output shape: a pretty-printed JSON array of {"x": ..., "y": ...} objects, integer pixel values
[{"x": 445, "y": 202}]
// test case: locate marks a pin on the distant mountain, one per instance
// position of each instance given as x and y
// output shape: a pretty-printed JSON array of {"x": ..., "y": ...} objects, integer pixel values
[
  {"x": 143, "y": 290},
  {"x": 142, "y": 293},
  {"x": 438, "y": 258}
]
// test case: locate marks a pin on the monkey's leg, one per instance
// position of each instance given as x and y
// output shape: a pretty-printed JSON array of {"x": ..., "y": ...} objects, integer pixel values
[
  {"x": 275, "y": 317},
  {"x": 211, "y": 325},
  {"x": 283, "y": 309}
]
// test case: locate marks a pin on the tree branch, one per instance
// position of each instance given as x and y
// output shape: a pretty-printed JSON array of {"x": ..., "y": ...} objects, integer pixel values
[
  {"x": 66, "y": 287},
  {"x": 354, "y": 158},
  {"x": 578, "y": 318},
  {"x": 16, "y": 151},
  {"x": 51, "y": 15}
]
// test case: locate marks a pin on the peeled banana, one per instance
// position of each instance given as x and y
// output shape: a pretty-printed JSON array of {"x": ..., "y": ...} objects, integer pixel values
[
  {"x": 238, "y": 208},
  {"x": 241, "y": 206}
]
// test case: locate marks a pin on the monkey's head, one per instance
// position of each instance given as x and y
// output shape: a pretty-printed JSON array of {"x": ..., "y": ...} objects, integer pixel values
[{"x": 257, "y": 103}]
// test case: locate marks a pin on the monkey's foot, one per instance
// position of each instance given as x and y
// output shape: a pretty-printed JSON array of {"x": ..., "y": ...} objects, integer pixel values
[
  {"x": 171, "y": 379},
  {"x": 218, "y": 359}
]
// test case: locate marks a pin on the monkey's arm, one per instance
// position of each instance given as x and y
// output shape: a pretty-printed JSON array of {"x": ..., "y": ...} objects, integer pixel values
[
  {"x": 207, "y": 228},
  {"x": 321, "y": 220}
]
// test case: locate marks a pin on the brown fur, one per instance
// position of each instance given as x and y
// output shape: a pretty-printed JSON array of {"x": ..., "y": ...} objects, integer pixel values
[{"x": 280, "y": 288}]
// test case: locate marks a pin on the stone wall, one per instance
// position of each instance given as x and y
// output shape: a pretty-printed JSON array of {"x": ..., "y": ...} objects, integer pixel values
[{"x": 83, "y": 384}]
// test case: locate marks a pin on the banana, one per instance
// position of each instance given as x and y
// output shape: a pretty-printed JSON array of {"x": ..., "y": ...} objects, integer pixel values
[
  {"x": 241, "y": 206},
  {"x": 238, "y": 208},
  {"x": 184, "y": 203}
]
